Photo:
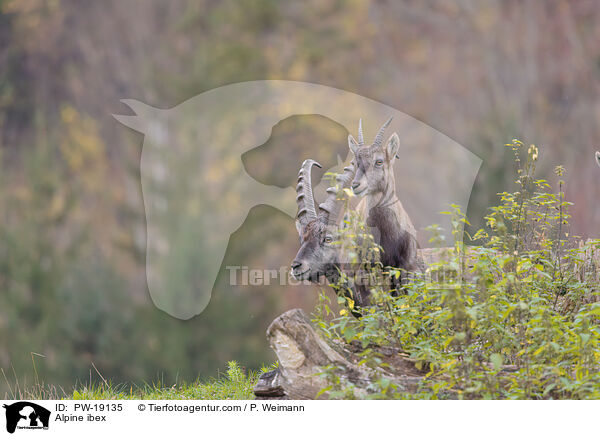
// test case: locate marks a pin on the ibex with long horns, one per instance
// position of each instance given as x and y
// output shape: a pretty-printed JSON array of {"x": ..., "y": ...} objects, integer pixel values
[
  {"x": 320, "y": 255},
  {"x": 381, "y": 208}
]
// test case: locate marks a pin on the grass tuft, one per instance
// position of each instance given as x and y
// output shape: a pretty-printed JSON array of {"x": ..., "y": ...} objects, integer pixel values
[{"x": 235, "y": 384}]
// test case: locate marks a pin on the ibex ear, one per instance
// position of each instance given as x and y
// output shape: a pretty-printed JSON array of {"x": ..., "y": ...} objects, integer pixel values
[
  {"x": 392, "y": 146},
  {"x": 353, "y": 144},
  {"x": 598, "y": 158}
]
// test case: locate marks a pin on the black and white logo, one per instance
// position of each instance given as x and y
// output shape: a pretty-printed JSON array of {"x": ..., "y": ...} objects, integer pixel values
[{"x": 26, "y": 415}]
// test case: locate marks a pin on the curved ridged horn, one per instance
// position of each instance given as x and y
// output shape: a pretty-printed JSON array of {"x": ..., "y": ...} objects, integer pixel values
[
  {"x": 361, "y": 141},
  {"x": 330, "y": 208},
  {"x": 304, "y": 198},
  {"x": 379, "y": 137}
]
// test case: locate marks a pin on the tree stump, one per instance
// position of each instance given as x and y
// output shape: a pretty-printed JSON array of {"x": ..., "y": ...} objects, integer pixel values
[{"x": 303, "y": 354}]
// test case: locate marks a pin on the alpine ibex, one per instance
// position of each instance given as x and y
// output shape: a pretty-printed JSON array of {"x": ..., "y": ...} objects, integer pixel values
[
  {"x": 381, "y": 209},
  {"x": 320, "y": 253}
]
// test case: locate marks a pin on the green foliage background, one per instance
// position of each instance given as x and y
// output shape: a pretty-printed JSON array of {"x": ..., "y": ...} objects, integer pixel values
[{"x": 515, "y": 318}]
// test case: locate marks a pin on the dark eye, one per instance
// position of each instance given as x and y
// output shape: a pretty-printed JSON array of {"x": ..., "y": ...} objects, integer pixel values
[
  {"x": 378, "y": 162},
  {"x": 328, "y": 239}
]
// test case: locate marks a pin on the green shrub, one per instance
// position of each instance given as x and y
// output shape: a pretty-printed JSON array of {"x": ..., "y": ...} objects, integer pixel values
[{"x": 516, "y": 317}]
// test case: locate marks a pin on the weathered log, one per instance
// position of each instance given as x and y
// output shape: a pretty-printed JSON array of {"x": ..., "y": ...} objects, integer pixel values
[{"x": 303, "y": 356}]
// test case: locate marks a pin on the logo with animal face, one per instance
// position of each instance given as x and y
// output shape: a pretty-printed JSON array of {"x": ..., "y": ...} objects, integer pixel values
[
  {"x": 26, "y": 415},
  {"x": 197, "y": 192}
]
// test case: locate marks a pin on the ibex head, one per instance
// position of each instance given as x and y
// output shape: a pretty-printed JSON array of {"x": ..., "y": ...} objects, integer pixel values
[
  {"x": 374, "y": 164},
  {"x": 319, "y": 255},
  {"x": 598, "y": 158}
]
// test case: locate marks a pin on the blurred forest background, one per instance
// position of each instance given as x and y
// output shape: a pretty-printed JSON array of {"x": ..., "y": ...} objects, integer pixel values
[{"x": 72, "y": 228}]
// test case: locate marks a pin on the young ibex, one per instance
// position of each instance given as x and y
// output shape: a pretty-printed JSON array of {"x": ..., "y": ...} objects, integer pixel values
[
  {"x": 381, "y": 209},
  {"x": 320, "y": 253}
]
